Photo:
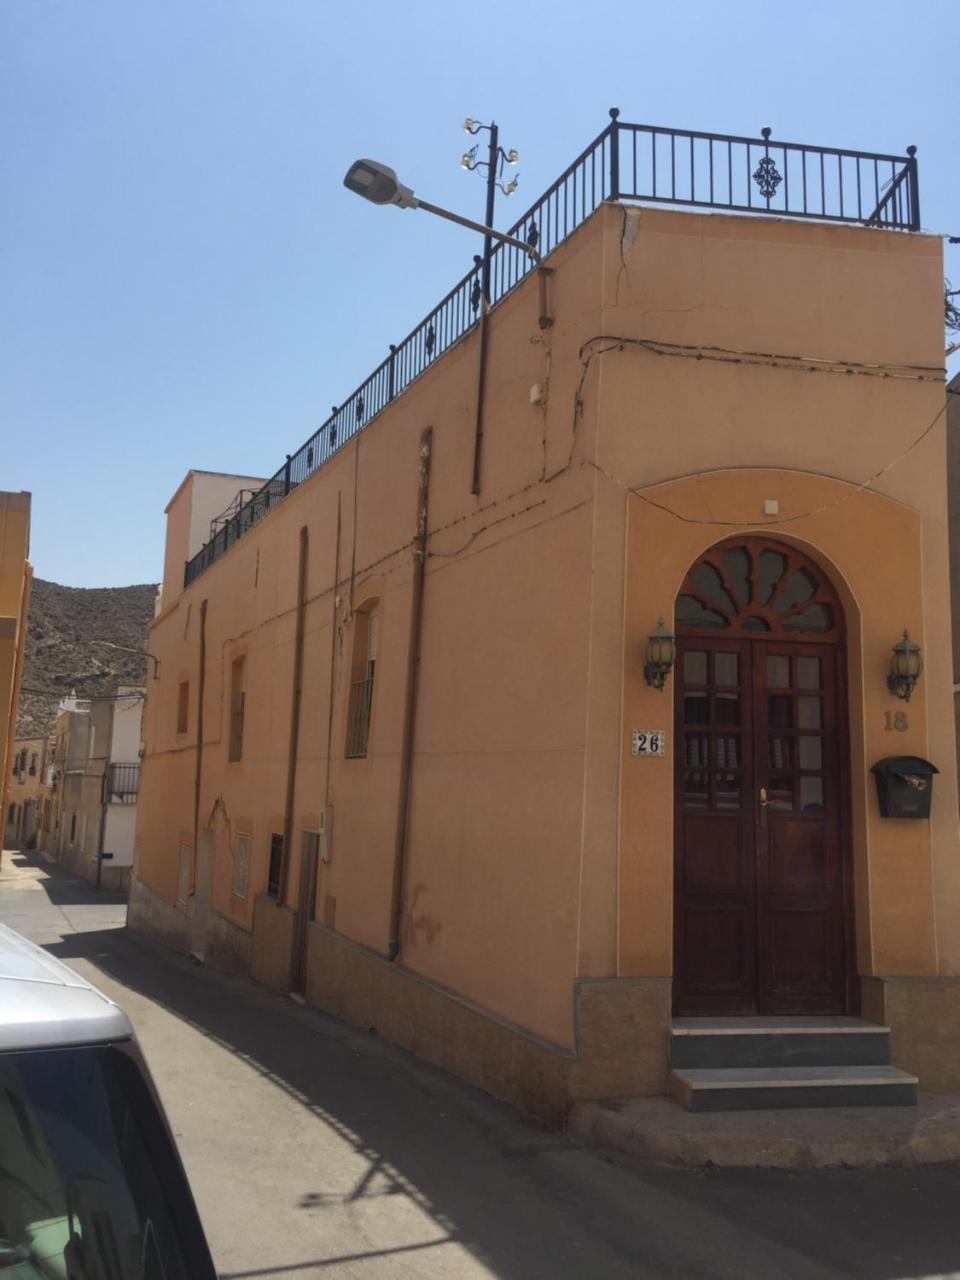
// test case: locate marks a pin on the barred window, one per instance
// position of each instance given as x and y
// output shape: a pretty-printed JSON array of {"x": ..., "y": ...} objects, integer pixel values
[
  {"x": 241, "y": 865},
  {"x": 366, "y": 632}
]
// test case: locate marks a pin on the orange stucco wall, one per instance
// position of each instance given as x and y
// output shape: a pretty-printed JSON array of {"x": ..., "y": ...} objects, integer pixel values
[{"x": 539, "y": 850}]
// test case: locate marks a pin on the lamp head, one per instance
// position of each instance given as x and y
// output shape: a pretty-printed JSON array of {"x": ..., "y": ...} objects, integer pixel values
[{"x": 379, "y": 184}]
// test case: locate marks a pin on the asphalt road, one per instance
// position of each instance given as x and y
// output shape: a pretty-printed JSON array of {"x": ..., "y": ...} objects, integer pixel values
[{"x": 315, "y": 1150}]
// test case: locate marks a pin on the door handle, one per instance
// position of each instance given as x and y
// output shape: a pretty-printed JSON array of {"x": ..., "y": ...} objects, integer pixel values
[{"x": 764, "y": 802}]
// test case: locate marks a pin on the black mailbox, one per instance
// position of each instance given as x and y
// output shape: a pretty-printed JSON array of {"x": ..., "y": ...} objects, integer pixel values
[{"x": 904, "y": 786}]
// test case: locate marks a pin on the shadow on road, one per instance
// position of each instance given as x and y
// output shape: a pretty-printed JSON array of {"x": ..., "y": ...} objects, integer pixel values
[
  {"x": 62, "y": 887},
  {"x": 526, "y": 1203}
]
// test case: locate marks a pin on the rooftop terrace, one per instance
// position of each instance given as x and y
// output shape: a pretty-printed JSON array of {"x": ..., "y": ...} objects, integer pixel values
[{"x": 625, "y": 162}]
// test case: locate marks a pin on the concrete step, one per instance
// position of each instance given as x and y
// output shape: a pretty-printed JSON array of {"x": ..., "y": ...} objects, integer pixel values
[
  {"x": 763, "y": 1088},
  {"x": 713, "y": 1043}
]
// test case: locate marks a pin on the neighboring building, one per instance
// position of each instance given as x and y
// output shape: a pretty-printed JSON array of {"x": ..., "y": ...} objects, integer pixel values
[
  {"x": 409, "y": 753},
  {"x": 202, "y": 505},
  {"x": 97, "y": 768},
  {"x": 953, "y": 493},
  {"x": 29, "y": 795},
  {"x": 15, "y": 574}
]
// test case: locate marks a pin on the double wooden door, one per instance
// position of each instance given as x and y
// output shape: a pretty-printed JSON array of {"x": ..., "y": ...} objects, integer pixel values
[{"x": 759, "y": 894}]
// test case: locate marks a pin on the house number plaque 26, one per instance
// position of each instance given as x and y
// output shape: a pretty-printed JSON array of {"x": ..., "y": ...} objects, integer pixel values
[{"x": 649, "y": 742}]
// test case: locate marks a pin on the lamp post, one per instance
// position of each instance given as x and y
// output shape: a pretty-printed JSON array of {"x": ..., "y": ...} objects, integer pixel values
[
  {"x": 494, "y": 163},
  {"x": 379, "y": 184}
]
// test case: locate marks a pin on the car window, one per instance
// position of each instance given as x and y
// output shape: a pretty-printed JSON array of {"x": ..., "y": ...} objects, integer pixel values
[{"x": 91, "y": 1187}]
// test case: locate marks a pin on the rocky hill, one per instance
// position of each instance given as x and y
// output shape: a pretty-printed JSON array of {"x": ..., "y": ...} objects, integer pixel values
[{"x": 62, "y": 653}]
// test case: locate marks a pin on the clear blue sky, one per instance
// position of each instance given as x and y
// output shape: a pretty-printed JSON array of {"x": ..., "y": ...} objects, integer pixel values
[{"x": 185, "y": 283}]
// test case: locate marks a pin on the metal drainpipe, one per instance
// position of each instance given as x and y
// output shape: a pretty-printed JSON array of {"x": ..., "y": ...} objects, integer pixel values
[
  {"x": 410, "y": 707},
  {"x": 295, "y": 693},
  {"x": 333, "y": 658},
  {"x": 196, "y": 780}
]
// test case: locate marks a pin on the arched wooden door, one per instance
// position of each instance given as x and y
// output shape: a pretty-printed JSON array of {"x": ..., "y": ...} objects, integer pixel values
[{"x": 761, "y": 911}]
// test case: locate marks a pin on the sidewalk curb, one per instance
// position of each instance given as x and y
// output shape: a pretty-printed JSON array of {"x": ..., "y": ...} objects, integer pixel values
[{"x": 655, "y": 1131}]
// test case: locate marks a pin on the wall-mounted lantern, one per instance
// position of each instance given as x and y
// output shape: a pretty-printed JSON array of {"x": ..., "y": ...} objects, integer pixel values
[
  {"x": 906, "y": 664},
  {"x": 661, "y": 654}
]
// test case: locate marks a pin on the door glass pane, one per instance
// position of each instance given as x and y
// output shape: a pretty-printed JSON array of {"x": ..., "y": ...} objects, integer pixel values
[
  {"x": 756, "y": 624},
  {"x": 696, "y": 708},
  {"x": 695, "y": 666},
  {"x": 770, "y": 569},
  {"x": 808, "y": 713},
  {"x": 781, "y": 752},
  {"x": 708, "y": 584},
  {"x": 808, "y": 673},
  {"x": 736, "y": 561},
  {"x": 697, "y": 749},
  {"x": 726, "y": 669},
  {"x": 696, "y": 791},
  {"x": 811, "y": 752},
  {"x": 727, "y": 751},
  {"x": 780, "y": 711},
  {"x": 727, "y": 790},
  {"x": 811, "y": 794},
  {"x": 780, "y": 794},
  {"x": 778, "y": 671},
  {"x": 727, "y": 708}
]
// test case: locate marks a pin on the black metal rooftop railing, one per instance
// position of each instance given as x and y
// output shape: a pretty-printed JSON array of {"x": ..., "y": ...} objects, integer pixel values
[{"x": 625, "y": 162}]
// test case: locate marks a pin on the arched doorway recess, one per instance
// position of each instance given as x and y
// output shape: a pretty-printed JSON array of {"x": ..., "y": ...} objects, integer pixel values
[{"x": 761, "y": 920}]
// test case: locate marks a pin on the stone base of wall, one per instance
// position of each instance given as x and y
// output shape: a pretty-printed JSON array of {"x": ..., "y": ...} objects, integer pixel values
[
  {"x": 228, "y": 946},
  {"x": 621, "y": 1041},
  {"x": 79, "y": 864},
  {"x": 272, "y": 941},
  {"x": 114, "y": 879},
  {"x": 157, "y": 918},
  {"x": 923, "y": 1015}
]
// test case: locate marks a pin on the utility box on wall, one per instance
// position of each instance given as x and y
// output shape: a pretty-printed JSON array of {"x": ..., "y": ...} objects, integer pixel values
[{"x": 904, "y": 786}]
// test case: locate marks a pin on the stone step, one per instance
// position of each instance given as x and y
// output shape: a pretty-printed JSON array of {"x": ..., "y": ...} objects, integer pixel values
[
  {"x": 761, "y": 1089},
  {"x": 714, "y": 1043}
]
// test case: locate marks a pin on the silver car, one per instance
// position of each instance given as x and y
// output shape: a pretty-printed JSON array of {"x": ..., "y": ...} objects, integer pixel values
[{"x": 91, "y": 1186}]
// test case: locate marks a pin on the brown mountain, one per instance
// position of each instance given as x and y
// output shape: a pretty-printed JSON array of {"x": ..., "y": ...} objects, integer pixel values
[{"x": 63, "y": 653}]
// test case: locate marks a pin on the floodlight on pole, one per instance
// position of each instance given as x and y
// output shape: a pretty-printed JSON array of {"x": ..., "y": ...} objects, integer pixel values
[{"x": 379, "y": 184}]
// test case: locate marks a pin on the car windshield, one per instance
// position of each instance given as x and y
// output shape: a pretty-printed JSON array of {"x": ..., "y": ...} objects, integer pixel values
[{"x": 91, "y": 1187}]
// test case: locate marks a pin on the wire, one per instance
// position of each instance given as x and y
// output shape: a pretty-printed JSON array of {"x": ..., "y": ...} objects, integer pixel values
[
  {"x": 780, "y": 360},
  {"x": 764, "y": 524}
]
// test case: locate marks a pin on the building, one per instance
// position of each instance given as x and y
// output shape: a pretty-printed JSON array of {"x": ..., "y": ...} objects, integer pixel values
[
  {"x": 953, "y": 490},
  {"x": 419, "y": 749},
  {"x": 29, "y": 795},
  {"x": 96, "y": 757},
  {"x": 15, "y": 574}
]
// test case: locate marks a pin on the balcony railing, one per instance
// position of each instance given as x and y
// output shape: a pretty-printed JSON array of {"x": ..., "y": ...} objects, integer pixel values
[
  {"x": 121, "y": 783},
  {"x": 625, "y": 162}
]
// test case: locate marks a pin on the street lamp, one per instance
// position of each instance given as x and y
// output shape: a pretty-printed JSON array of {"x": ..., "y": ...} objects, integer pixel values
[{"x": 379, "y": 184}]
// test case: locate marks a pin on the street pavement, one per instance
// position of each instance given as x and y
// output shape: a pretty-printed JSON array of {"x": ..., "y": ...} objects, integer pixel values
[{"x": 316, "y": 1150}]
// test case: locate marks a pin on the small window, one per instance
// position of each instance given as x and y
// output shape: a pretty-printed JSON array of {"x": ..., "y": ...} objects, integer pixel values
[
  {"x": 73, "y": 828},
  {"x": 12, "y": 813},
  {"x": 276, "y": 863},
  {"x": 33, "y": 764},
  {"x": 241, "y": 865},
  {"x": 183, "y": 705},
  {"x": 237, "y": 698},
  {"x": 361, "y": 687}
]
